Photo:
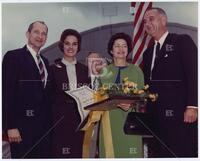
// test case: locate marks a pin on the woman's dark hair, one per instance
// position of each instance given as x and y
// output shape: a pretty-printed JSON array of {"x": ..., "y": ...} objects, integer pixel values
[
  {"x": 66, "y": 33},
  {"x": 120, "y": 35}
]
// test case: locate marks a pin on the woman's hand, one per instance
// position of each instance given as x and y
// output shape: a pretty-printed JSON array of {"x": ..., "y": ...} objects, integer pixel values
[{"x": 124, "y": 106}]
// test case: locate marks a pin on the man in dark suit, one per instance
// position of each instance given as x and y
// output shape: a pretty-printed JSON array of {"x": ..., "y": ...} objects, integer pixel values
[
  {"x": 26, "y": 118},
  {"x": 170, "y": 68}
]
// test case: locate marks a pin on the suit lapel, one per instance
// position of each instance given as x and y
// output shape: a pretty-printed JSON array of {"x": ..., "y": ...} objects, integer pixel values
[
  {"x": 63, "y": 71},
  {"x": 31, "y": 64},
  {"x": 150, "y": 57}
]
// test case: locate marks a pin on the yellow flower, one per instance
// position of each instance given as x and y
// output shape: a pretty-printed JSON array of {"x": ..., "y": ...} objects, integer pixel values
[
  {"x": 129, "y": 87},
  {"x": 105, "y": 87},
  {"x": 125, "y": 79},
  {"x": 126, "y": 83},
  {"x": 135, "y": 91},
  {"x": 101, "y": 91},
  {"x": 132, "y": 85},
  {"x": 140, "y": 91},
  {"x": 126, "y": 90}
]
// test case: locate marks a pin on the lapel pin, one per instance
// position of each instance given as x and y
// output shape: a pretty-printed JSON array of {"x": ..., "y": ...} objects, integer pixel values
[{"x": 166, "y": 56}]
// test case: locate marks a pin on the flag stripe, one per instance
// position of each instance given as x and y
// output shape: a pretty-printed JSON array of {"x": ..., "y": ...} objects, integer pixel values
[
  {"x": 149, "y": 42},
  {"x": 140, "y": 39},
  {"x": 137, "y": 36},
  {"x": 141, "y": 47},
  {"x": 138, "y": 13},
  {"x": 139, "y": 22}
]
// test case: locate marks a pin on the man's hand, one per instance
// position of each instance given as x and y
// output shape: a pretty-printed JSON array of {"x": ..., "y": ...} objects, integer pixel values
[
  {"x": 97, "y": 66},
  {"x": 14, "y": 135},
  {"x": 190, "y": 114}
]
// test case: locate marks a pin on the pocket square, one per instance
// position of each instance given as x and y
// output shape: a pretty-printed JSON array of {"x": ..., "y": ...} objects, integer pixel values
[{"x": 166, "y": 56}]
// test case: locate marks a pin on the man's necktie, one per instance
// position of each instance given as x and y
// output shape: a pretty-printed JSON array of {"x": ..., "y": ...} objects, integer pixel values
[
  {"x": 156, "y": 57},
  {"x": 157, "y": 49},
  {"x": 157, "y": 52},
  {"x": 41, "y": 68}
]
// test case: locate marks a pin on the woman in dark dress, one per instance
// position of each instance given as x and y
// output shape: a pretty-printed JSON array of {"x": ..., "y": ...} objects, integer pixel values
[{"x": 67, "y": 74}]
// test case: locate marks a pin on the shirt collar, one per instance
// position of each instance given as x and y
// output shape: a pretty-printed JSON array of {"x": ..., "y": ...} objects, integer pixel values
[
  {"x": 68, "y": 63},
  {"x": 33, "y": 52},
  {"x": 162, "y": 39}
]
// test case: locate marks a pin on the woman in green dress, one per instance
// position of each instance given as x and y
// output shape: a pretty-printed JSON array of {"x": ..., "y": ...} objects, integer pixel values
[{"x": 125, "y": 146}]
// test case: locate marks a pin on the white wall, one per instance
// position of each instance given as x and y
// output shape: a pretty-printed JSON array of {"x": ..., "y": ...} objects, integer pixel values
[{"x": 81, "y": 16}]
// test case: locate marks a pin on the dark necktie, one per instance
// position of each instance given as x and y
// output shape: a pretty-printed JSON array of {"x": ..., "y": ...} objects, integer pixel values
[
  {"x": 157, "y": 52},
  {"x": 157, "y": 49},
  {"x": 41, "y": 68}
]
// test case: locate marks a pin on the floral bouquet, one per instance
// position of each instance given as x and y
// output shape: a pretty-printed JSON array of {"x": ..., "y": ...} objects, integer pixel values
[
  {"x": 138, "y": 121},
  {"x": 128, "y": 90}
]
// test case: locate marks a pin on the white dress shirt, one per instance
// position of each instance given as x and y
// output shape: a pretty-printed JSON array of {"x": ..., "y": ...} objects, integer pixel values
[
  {"x": 92, "y": 78},
  {"x": 71, "y": 73},
  {"x": 33, "y": 53}
]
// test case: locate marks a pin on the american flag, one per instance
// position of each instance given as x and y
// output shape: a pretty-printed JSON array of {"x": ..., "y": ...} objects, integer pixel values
[{"x": 140, "y": 39}]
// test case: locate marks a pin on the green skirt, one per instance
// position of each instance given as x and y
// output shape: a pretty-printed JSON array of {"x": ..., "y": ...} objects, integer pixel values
[{"x": 125, "y": 146}]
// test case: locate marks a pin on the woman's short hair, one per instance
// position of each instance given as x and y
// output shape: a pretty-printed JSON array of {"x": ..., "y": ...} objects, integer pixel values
[
  {"x": 66, "y": 33},
  {"x": 120, "y": 35}
]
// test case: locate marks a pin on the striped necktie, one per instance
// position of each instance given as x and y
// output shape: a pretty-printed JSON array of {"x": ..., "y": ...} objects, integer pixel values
[
  {"x": 41, "y": 68},
  {"x": 96, "y": 83}
]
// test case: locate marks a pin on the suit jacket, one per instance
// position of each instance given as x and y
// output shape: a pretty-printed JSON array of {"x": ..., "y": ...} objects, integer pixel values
[
  {"x": 174, "y": 76},
  {"x": 25, "y": 104}
]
